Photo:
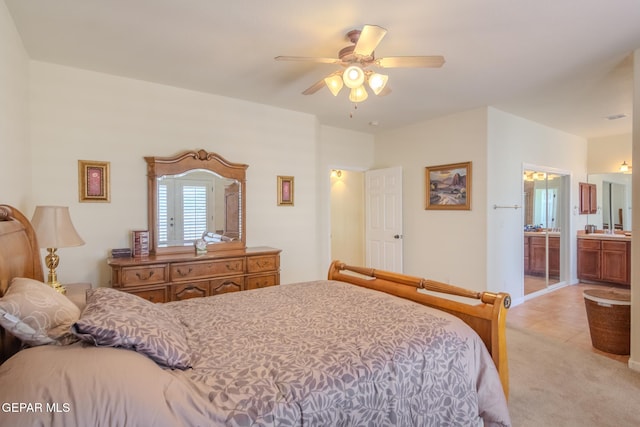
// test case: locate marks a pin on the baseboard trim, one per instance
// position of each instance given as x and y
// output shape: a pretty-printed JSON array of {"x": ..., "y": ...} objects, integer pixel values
[{"x": 634, "y": 365}]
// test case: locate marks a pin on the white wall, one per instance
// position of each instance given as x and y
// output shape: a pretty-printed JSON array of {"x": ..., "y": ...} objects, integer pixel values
[
  {"x": 606, "y": 154},
  {"x": 82, "y": 115},
  {"x": 15, "y": 168},
  {"x": 447, "y": 246},
  {"x": 482, "y": 248},
  {"x": 512, "y": 143}
]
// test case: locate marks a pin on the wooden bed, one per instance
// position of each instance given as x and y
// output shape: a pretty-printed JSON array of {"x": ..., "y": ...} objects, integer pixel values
[{"x": 486, "y": 312}]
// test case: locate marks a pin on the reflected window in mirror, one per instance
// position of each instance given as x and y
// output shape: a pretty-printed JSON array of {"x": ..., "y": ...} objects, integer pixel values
[
  {"x": 194, "y": 205},
  {"x": 541, "y": 195}
]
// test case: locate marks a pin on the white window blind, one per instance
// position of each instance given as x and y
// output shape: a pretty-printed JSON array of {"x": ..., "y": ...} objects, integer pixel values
[
  {"x": 163, "y": 223},
  {"x": 194, "y": 211}
]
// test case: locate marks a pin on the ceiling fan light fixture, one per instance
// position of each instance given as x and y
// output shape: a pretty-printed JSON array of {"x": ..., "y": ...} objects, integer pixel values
[
  {"x": 353, "y": 76},
  {"x": 358, "y": 94},
  {"x": 377, "y": 82},
  {"x": 334, "y": 83}
]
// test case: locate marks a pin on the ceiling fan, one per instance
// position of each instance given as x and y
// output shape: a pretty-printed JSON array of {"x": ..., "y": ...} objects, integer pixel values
[{"x": 356, "y": 60}]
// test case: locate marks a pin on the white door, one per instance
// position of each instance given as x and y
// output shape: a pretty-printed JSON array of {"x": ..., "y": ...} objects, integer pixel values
[{"x": 383, "y": 210}]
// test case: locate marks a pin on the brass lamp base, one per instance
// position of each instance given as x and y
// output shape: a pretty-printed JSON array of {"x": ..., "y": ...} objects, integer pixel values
[
  {"x": 52, "y": 260},
  {"x": 57, "y": 286}
]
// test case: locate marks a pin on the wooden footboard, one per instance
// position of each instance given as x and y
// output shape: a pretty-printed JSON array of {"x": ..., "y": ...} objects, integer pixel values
[{"x": 487, "y": 316}]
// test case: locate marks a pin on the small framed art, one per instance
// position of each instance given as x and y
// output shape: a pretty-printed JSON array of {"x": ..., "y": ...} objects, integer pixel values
[
  {"x": 93, "y": 181},
  {"x": 285, "y": 191},
  {"x": 448, "y": 187}
]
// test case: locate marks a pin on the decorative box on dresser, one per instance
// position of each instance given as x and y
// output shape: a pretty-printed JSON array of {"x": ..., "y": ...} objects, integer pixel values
[{"x": 174, "y": 277}]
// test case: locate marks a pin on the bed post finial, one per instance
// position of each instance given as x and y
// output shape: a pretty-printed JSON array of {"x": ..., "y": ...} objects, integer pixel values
[{"x": 5, "y": 214}]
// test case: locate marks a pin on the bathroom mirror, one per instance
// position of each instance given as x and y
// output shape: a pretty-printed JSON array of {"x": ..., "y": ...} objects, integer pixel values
[
  {"x": 545, "y": 209},
  {"x": 614, "y": 201},
  {"x": 195, "y": 195}
]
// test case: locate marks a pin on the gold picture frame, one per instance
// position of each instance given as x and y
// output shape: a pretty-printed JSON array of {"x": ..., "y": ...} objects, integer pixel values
[
  {"x": 285, "y": 190},
  {"x": 448, "y": 187},
  {"x": 93, "y": 181}
]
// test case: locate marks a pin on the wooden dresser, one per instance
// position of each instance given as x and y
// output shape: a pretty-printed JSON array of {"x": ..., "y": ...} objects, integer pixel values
[{"x": 174, "y": 277}]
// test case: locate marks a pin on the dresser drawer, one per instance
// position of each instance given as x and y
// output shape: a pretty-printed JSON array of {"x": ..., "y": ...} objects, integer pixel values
[
  {"x": 227, "y": 284},
  {"x": 189, "y": 290},
  {"x": 206, "y": 269},
  {"x": 262, "y": 281},
  {"x": 608, "y": 245},
  {"x": 143, "y": 275},
  {"x": 588, "y": 244},
  {"x": 256, "y": 264},
  {"x": 153, "y": 295}
]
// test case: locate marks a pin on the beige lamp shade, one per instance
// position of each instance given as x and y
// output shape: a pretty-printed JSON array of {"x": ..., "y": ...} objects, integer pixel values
[
  {"x": 334, "y": 83},
  {"x": 54, "y": 228},
  {"x": 377, "y": 82},
  {"x": 358, "y": 94}
]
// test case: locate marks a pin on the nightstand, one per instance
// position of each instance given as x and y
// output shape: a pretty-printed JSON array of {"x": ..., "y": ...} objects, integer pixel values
[{"x": 77, "y": 292}]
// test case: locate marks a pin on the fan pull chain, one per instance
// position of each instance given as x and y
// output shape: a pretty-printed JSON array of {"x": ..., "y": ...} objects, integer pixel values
[{"x": 355, "y": 107}]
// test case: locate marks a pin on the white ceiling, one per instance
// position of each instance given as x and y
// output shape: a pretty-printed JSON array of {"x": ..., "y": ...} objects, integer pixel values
[{"x": 564, "y": 63}]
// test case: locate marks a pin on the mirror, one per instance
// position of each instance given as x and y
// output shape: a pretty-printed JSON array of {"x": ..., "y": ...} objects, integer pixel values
[
  {"x": 195, "y": 195},
  {"x": 541, "y": 191},
  {"x": 545, "y": 208},
  {"x": 614, "y": 201}
]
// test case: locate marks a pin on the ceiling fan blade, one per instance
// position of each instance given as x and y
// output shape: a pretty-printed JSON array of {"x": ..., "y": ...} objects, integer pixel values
[
  {"x": 314, "y": 87},
  {"x": 410, "y": 62},
  {"x": 370, "y": 37},
  {"x": 308, "y": 59}
]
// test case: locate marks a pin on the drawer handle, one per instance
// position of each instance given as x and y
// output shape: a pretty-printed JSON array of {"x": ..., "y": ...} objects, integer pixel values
[
  {"x": 184, "y": 273},
  {"x": 233, "y": 266},
  {"x": 144, "y": 278}
]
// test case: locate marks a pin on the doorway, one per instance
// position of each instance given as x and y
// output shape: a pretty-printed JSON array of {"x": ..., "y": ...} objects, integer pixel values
[
  {"x": 347, "y": 216},
  {"x": 546, "y": 224},
  {"x": 366, "y": 218}
]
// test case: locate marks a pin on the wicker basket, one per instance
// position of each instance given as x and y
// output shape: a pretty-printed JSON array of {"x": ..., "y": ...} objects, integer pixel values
[{"x": 609, "y": 315}]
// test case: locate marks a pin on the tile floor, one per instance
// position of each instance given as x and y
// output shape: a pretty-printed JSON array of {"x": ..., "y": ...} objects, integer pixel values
[{"x": 561, "y": 315}]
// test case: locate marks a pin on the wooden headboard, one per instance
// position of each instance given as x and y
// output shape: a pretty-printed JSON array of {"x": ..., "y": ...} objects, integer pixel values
[{"x": 19, "y": 257}]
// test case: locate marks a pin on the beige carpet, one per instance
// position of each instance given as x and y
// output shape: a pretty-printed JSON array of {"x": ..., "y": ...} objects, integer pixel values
[{"x": 554, "y": 384}]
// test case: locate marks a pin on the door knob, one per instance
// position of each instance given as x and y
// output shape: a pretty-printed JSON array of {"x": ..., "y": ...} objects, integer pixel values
[{"x": 397, "y": 236}]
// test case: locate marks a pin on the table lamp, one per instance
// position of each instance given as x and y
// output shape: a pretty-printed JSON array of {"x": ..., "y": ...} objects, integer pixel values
[{"x": 54, "y": 230}]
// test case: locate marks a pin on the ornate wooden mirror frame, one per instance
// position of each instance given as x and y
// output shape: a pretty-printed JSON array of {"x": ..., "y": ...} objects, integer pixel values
[{"x": 184, "y": 162}]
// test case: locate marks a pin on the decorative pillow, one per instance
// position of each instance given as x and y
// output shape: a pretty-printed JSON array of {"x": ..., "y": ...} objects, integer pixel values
[
  {"x": 36, "y": 313},
  {"x": 113, "y": 318}
]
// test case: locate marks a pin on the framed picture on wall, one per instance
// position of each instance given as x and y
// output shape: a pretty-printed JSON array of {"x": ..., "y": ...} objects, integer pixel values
[
  {"x": 285, "y": 191},
  {"x": 93, "y": 181},
  {"x": 448, "y": 187}
]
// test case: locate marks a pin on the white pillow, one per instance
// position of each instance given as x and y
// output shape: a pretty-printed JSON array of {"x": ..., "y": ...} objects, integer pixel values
[{"x": 36, "y": 313}]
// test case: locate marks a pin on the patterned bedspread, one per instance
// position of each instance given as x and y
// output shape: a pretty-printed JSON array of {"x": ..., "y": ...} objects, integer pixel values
[
  {"x": 308, "y": 354},
  {"x": 332, "y": 354}
]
